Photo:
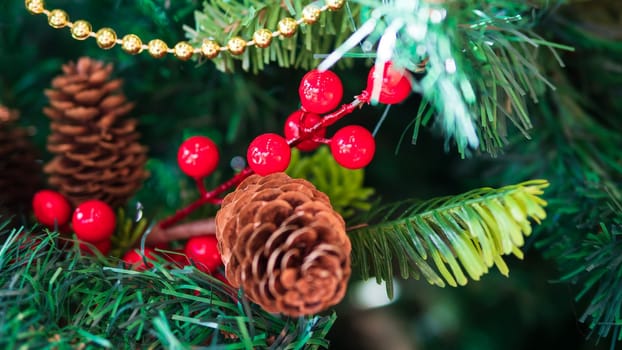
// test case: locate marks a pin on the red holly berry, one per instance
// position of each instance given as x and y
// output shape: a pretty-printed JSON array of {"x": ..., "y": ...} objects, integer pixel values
[
  {"x": 51, "y": 208},
  {"x": 293, "y": 130},
  {"x": 320, "y": 92},
  {"x": 93, "y": 221},
  {"x": 353, "y": 147},
  {"x": 395, "y": 86},
  {"x": 203, "y": 251},
  {"x": 198, "y": 156},
  {"x": 136, "y": 259},
  {"x": 103, "y": 247},
  {"x": 268, "y": 153}
]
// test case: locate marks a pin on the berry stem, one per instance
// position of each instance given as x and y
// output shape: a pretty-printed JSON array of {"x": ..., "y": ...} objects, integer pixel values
[
  {"x": 212, "y": 196},
  {"x": 208, "y": 197},
  {"x": 200, "y": 185}
]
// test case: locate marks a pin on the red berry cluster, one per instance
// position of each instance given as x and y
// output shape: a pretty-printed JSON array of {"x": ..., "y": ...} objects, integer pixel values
[
  {"x": 92, "y": 221},
  {"x": 352, "y": 147},
  {"x": 320, "y": 93}
]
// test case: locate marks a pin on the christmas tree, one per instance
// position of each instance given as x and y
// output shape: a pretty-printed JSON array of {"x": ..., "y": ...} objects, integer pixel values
[{"x": 246, "y": 174}]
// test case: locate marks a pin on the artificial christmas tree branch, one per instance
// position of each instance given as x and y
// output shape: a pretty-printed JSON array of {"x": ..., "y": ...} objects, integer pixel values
[
  {"x": 474, "y": 230},
  {"x": 52, "y": 297}
]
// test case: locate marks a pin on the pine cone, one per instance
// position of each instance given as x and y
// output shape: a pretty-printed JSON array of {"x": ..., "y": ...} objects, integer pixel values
[
  {"x": 283, "y": 243},
  {"x": 97, "y": 151},
  {"x": 20, "y": 174}
]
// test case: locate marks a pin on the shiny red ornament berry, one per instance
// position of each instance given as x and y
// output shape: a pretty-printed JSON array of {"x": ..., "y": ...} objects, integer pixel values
[
  {"x": 136, "y": 259},
  {"x": 293, "y": 130},
  {"x": 268, "y": 153},
  {"x": 51, "y": 208},
  {"x": 353, "y": 147},
  {"x": 203, "y": 251},
  {"x": 395, "y": 86},
  {"x": 198, "y": 156},
  {"x": 103, "y": 247},
  {"x": 320, "y": 92},
  {"x": 94, "y": 221}
]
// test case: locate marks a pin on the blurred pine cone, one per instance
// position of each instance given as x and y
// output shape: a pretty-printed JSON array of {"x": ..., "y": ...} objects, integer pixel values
[
  {"x": 97, "y": 151},
  {"x": 283, "y": 243},
  {"x": 20, "y": 174}
]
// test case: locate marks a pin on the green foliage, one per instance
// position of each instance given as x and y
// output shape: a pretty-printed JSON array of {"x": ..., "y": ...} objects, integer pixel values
[
  {"x": 470, "y": 232},
  {"x": 343, "y": 186},
  {"x": 59, "y": 299},
  {"x": 128, "y": 232},
  {"x": 582, "y": 161},
  {"x": 221, "y": 20},
  {"x": 595, "y": 266},
  {"x": 480, "y": 62}
]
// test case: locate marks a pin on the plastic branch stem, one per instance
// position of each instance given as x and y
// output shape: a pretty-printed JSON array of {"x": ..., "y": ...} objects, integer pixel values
[
  {"x": 208, "y": 197},
  {"x": 181, "y": 231},
  {"x": 200, "y": 186},
  {"x": 212, "y": 196}
]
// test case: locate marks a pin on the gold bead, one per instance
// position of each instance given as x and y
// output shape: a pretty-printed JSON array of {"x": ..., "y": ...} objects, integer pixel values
[
  {"x": 236, "y": 45},
  {"x": 81, "y": 30},
  {"x": 132, "y": 44},
  {"x": 157, "y": 48},
  {"x": 288, "y": 26},
  {"x": 35, "y": 6},
  {"x": 310, "y": 14},
  {"x": 334, "y": 5},
  {"x": 210, "y": 49},
  {"x": 262, "y": 38},
  {"x": 58, "y": 19},
  {"x": 106, "y": 38},
  {"x": 183, "y": 50}
]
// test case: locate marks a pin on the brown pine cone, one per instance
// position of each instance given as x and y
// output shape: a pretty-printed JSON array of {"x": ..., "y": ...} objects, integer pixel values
[
  {"x": 283, "y": 243},
  {"x": 20, "y": 174},
  {"x": 97, "y": 151}
]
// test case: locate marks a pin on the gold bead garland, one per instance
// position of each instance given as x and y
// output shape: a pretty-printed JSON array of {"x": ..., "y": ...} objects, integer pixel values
[{"x": 106, "y": 38}]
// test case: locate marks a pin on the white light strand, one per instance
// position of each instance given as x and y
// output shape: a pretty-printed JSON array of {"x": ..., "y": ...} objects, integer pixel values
[
  {"x": 384, "y": 54},
  {"x": 352, "y": 41}
]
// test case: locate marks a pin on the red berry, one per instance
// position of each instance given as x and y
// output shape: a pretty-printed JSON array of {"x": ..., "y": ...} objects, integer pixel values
[
  {"x": 320, "y": 92},
  {"x": 293, "y": 130},
  {"x": 136, "y": 259},
  {"x": 93, "y": 221},
  {"x": 51, "y": 208},
  {"x": 353, "y": 147},
  {"x": 203, "y": 251},
  {"x": 103, "y": 247},
  {"x": 268, "y": 153},
  {"x": 395, "y": 86},
  {"x": 198, "y": 156}
]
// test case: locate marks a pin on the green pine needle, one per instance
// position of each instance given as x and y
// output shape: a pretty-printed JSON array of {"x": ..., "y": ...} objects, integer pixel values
[
  {"x": 465, "y": 233},
  {"x": 221, "y": 20},
  {"x": 345, "y": 187},
  {"x": 55, "y": 298}
]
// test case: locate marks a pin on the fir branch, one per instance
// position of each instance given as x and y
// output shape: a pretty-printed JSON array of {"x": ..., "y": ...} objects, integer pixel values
[
  {"x": 480, "y": 63},
  {"x": 221, "y": 20},
  {"x": 50, "y": 297},
  {"x": 344, "y": 186},
  {"x": 469, "y": 232},
  {"x": 583, "y": 165}
]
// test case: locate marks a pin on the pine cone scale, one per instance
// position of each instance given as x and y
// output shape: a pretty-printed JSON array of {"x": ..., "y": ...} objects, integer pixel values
[
  {"x": 97, "y": 154},
  {"x": 282, "y": 242}
]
